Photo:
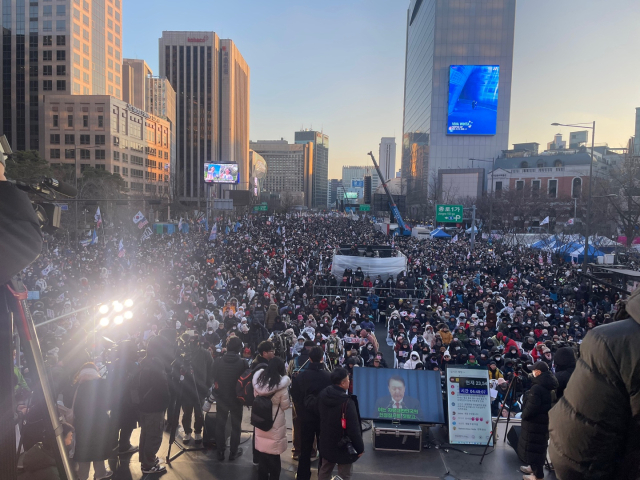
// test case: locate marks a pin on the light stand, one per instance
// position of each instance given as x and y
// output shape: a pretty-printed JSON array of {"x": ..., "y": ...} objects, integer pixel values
[{"x": 509, "y": 397}]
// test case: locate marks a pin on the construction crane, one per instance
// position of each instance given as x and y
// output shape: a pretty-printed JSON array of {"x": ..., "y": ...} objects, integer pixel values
[{"x": 402, "y": 227}]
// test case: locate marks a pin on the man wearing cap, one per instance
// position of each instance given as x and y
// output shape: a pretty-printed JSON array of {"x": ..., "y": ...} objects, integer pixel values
[{"x": 532, "y": 444}]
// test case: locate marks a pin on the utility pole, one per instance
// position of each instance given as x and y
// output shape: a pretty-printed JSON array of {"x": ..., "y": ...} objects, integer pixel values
[{"x": 473, "y": 227}]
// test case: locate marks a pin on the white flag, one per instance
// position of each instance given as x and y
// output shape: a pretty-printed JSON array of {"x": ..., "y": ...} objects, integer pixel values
[
  {"x": 284, "y": 267},
  {"x": 545, "y": 221},
  {"x": 454, "y": 239}
]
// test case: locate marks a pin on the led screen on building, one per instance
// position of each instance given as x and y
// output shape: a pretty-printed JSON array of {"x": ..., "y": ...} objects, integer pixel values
[
  {"x": 351, "y": 195},
  {"x": 473, "y": 99},
  {"x": 221, "y": 173}
]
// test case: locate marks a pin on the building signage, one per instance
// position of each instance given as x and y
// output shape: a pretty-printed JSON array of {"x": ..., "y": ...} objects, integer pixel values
[
  {"x": 469, "y": 400},
  {"x": 197, "y": 40},
  {"x": 138, "y": 111},
  {"x": 260, "y": 208},
  {"x": 449, "y": 213},
  {"x": 365, "y": 208},
  {"x": 357, "y": 183}
]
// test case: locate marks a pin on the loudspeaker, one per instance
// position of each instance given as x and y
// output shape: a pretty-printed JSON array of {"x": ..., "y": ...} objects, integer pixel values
[{"x": 513, "y": 435}]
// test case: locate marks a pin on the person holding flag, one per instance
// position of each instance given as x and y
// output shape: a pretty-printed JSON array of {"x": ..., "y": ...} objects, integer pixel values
[
  {"x": 214, "y": 232},
  {"x": 98, "y": 218}
]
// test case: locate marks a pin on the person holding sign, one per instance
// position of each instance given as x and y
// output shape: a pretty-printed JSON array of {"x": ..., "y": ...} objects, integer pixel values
[{"x": 397, "y": 403}]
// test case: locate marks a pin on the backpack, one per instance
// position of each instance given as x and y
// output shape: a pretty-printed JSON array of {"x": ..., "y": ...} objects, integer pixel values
[
  {"x": 261, "y": 413},
  {"x": 244, "y": 385}
]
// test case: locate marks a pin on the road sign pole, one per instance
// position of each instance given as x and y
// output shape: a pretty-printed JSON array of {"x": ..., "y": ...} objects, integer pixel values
[{"x": 473, "y": 227}]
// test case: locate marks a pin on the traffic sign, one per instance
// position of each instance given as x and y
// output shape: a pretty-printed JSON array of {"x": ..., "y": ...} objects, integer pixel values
[
  {"x": 365, "y": 208},
  {"x": 260, "y": 208},
  {"x": 449, "y": 213}
]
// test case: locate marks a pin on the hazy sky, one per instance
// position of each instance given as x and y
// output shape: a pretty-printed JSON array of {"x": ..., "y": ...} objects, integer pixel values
[{"x": 338, "y": 65}]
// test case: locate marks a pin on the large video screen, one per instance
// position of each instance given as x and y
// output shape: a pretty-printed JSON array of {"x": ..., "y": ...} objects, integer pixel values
[
  {"x": 351, "y": 195},
  {"x": 473, "y": 99},
  {"x": 221, "y": 173},
  {"x": 412, "y": 396}
]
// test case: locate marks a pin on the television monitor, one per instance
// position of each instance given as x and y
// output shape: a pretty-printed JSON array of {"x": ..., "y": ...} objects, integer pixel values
[
  {"x": 350, "y": 194},
  {"x": 411, "y": 396},
  {"x": 473, "y": 99},
  {"x": 221, "y": 173}
]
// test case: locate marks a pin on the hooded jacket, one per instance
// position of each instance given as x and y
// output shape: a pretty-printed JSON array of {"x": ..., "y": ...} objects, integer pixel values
[
  {"x": 270, "y": 318},
  {"x": 565, "y": 362},
  {"x": 607, "y": 418},
  {"x": 414, "y": 359},
  {"x": 273, "y": 442},
  {"x": 446, "y": 336},
  {"x": 330, "y": 403}
]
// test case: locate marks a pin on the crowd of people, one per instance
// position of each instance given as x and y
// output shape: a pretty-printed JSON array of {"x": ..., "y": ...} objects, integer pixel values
[{"x": 263, "y": 298}]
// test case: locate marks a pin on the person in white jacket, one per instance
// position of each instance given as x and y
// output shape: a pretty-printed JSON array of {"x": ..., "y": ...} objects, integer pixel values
[
  {"x": 414, "y": 359},
  {"x": 272, "y": 382}
]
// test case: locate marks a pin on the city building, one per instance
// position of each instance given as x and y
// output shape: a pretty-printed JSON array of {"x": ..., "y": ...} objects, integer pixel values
[
  {"x": 462, "y": 44},
  {"x": 558, "y": 143},
  {"x": 102, "y": 132},
  {"x": 578, "y": 139},
  {"x": 289, "y": 168},
  {"x": 134, "y": 80},
  {"x": 353, "y": 179},
  {"x": 320, "y": 167},
  {"x": 332, "y": 191},
  {"x": 211, "y": 81},
  {"x": 530, "y": 147},
  {"x": 160, "y": 100},
  {"x": 55, "y": 48},
  {"x": 387, "y": 157}
]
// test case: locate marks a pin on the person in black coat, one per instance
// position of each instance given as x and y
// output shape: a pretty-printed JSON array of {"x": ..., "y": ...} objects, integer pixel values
[
  {"x": 600, "y": 404},
  {"x": 124, "y": 415},
  {"x": 226, "y": 371},
  {"x": 309, "y": 382},
  {"x": 334, "y": 403},
  {"x": 532, "y": 444},
  {"x": 565, "y": 363}
]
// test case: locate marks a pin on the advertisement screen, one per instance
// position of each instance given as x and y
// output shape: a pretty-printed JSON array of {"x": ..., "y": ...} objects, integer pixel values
[
  {"x": 221, "y": 173},
  {"x": 473, "y": 99},
  {"x": 350, "y": 194},
  {"x": 357, "y": 183},
  {"x": 412, "y": 396}
]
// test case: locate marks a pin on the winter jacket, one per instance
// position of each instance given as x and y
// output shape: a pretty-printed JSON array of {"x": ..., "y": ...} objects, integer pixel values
[
  {"x": 270, "y": 318},
  {"x": 310, "y": 381},
  {"x": 532, "y": 444},
  {"x": 226, "y": 371},
  {"x": 331, "y": 402},
  {"x": 565, "y": 363},
  {"x": 601, "y": 406},
  {"x": 273, "y": 442},
  {"x": 446, "y": 336},
  {"x": 154, "y": 386},
  {"x": 414, "y": 359},
  {"x": 39, "y": 464}
]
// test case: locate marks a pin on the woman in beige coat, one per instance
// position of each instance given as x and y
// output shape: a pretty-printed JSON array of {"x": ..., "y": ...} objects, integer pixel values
[{"x": 272, "y": 382}]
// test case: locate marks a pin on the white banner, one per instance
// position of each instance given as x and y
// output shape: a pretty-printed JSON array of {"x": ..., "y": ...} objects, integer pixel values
[{"x": 469, "y": 399}]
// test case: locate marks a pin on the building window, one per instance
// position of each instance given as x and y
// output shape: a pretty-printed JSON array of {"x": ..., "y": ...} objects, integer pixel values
[
  {"x": 61, "y": 70},
  {"x": 47, "y": 85},
  {"x": 137, "y": 173},
  {"x": 520, "y": 185},
  {"x": 70, "y": 121},
  {"x": 557, "y": 163},
  {"x": 55, "y": 120},
  {"x": 47, "y": 40},
  {"x": 54, "y": 139},
  {"x": 61, "y": 10},
  {"x": 540, "y": 164},
  {"x": 61, "y": 25},
  {"x": 85, "y": 121},
  {"x": 116, "y": 156},
  {"x": 84, "y": 166},
  {"x": 47, "y": 55},
  {"x": 61, "y": 85},
  {"x": 61, "y": 40},
  {"x": 47, "y": 70},
  {"x": 125, "y": 158},
  {"x": 69, "y": 153},
  {"x": 85, "y": 139},
  {"x": 553, "y": 188},
  {"x": 54, "y": 153},
  {"x": 125, "y": 171},
  {"x": 85, "y": 154},
  {"x": 100, "y": 139},
  {"x": 47, "y": 11},
  {"x": 535, "y": 187},
  {"x": 100, "y": 121},
  {"x": 576, "y": 188},
  {"x": 69, "y": 139},
  {"x": 100, "y": 167},
  {"x": 101, "y": 154},
  {"x": 47, "y": 26},
  {"x": 61, "y": 55},
  {"x": 524, "y": 164},
  {"x": 116, "y": 169}
]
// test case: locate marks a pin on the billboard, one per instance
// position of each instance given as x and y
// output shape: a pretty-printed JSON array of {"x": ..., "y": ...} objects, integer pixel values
[
  {"x": 473, "y": 99},
  {"x": 221, "y": 173},
  {"x": 357, "y": 183}
]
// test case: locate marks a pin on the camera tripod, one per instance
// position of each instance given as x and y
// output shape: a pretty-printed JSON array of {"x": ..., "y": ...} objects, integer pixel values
[
  {"x": 509, "y": 399},
  {"x": 185, "y": 371},
  {"x": 14, "y": 312}
]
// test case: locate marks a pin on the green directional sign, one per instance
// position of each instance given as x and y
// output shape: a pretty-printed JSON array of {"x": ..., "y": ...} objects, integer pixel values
[
  {"x": 260, "y": 208},
  {"x": 449, "y": 213},
  {"x": 365, "y": 208}
]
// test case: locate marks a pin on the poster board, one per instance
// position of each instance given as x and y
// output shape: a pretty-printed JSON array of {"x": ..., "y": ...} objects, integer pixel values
[{"x": 469, "y": 401}]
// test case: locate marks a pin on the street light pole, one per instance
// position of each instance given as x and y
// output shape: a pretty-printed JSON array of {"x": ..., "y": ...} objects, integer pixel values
[{"x": 588, "y": 228}]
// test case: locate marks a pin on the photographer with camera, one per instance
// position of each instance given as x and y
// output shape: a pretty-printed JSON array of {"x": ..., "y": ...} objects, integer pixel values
[
  {"x": 196, "y": 366},
  {"x": 341, "y": 435}
]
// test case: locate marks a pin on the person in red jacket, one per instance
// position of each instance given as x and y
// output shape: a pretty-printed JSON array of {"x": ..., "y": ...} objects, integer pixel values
[{"x": 510, "y": 343}]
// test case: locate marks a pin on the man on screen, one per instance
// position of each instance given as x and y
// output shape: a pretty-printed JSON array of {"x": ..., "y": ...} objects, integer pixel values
[{"x": 398, "y": 406}]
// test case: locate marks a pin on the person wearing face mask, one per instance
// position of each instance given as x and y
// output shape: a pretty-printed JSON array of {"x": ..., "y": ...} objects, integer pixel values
[{"x": 532, "y": 444}]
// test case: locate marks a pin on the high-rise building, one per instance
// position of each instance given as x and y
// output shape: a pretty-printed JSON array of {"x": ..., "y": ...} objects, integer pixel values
[
  {"x": 578, "y": 139},
  {"x": 457, "y": 93},
  {"x": 55, "y": 48},
  {"x": 353, "y": 178},
  {"x": 387, "y": 157},
  {"x": 332, "y": 194},
  {"x": 134, "y": 76},
  {"x": 211, "y": 80},
  {"x": 289, "y": 167},
  {"x": 636, "y": 145},
  {"x": 320, "y": 167}
]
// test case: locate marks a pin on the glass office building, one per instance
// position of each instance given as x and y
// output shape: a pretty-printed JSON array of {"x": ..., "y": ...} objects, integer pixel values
[
  {"x": 320, "y": 165},
  {"x": 443, "y": 134}
]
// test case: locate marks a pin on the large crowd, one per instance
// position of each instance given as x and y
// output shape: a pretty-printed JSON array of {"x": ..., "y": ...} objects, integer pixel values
[{"x": 264, "y": 288}]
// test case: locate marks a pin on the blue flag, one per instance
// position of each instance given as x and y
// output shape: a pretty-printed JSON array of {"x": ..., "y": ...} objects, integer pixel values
[{"x": 214, "y": 232}]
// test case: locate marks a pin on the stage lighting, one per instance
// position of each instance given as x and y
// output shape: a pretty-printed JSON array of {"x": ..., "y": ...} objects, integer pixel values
[
  {"x": 104, "y": 321},
  {"x": 128, "y": 315},
  {"x": 118, "y": 320},
  {"x": 117, "y": 307},
  {"x": 103, "y": 309},
  {"x": 128, "y": 303}
]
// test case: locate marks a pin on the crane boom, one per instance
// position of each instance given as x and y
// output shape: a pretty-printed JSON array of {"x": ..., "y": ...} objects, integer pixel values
[{"x": 392, "y": 204}]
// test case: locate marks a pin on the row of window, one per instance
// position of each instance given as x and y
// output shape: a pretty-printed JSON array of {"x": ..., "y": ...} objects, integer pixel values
[
  {"x": 85, "y": 154},
  {"x": 47, "y": 70},
  {"x": 85, "y": 122},
  {"x": 47, "y": 40},
  {"x": 70, "y": 139},
  {"x": 552, "y": 187},
  {"x": 47, "y": 55},
  {"x": 47, "y": 85}
]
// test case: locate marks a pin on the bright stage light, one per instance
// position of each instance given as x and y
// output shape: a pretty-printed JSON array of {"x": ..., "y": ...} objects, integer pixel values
[
  {"x": 104, "y": 322},
  {"x": 128, "y": 303},
  {"x": 118, "y": 320},
  {"x": 103, "y": 309},
  {"x": 128, "y": 315},
  {"x": 117, "y": 307}
]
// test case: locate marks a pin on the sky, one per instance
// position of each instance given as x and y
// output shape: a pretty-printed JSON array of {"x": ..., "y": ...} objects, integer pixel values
[{"x": 338, "y": 65}]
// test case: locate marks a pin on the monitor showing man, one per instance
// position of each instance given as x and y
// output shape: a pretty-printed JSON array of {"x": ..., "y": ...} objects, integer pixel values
[{"x": 397, "y": 405}]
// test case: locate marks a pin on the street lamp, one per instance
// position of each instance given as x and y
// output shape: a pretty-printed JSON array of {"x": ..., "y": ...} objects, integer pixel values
[
  {"x": 588, "y": 222},
  {"x": 493, "y": 167}
]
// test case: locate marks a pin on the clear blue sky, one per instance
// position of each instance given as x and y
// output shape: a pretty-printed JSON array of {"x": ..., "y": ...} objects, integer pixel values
[{"x": 338, "y": 65}]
